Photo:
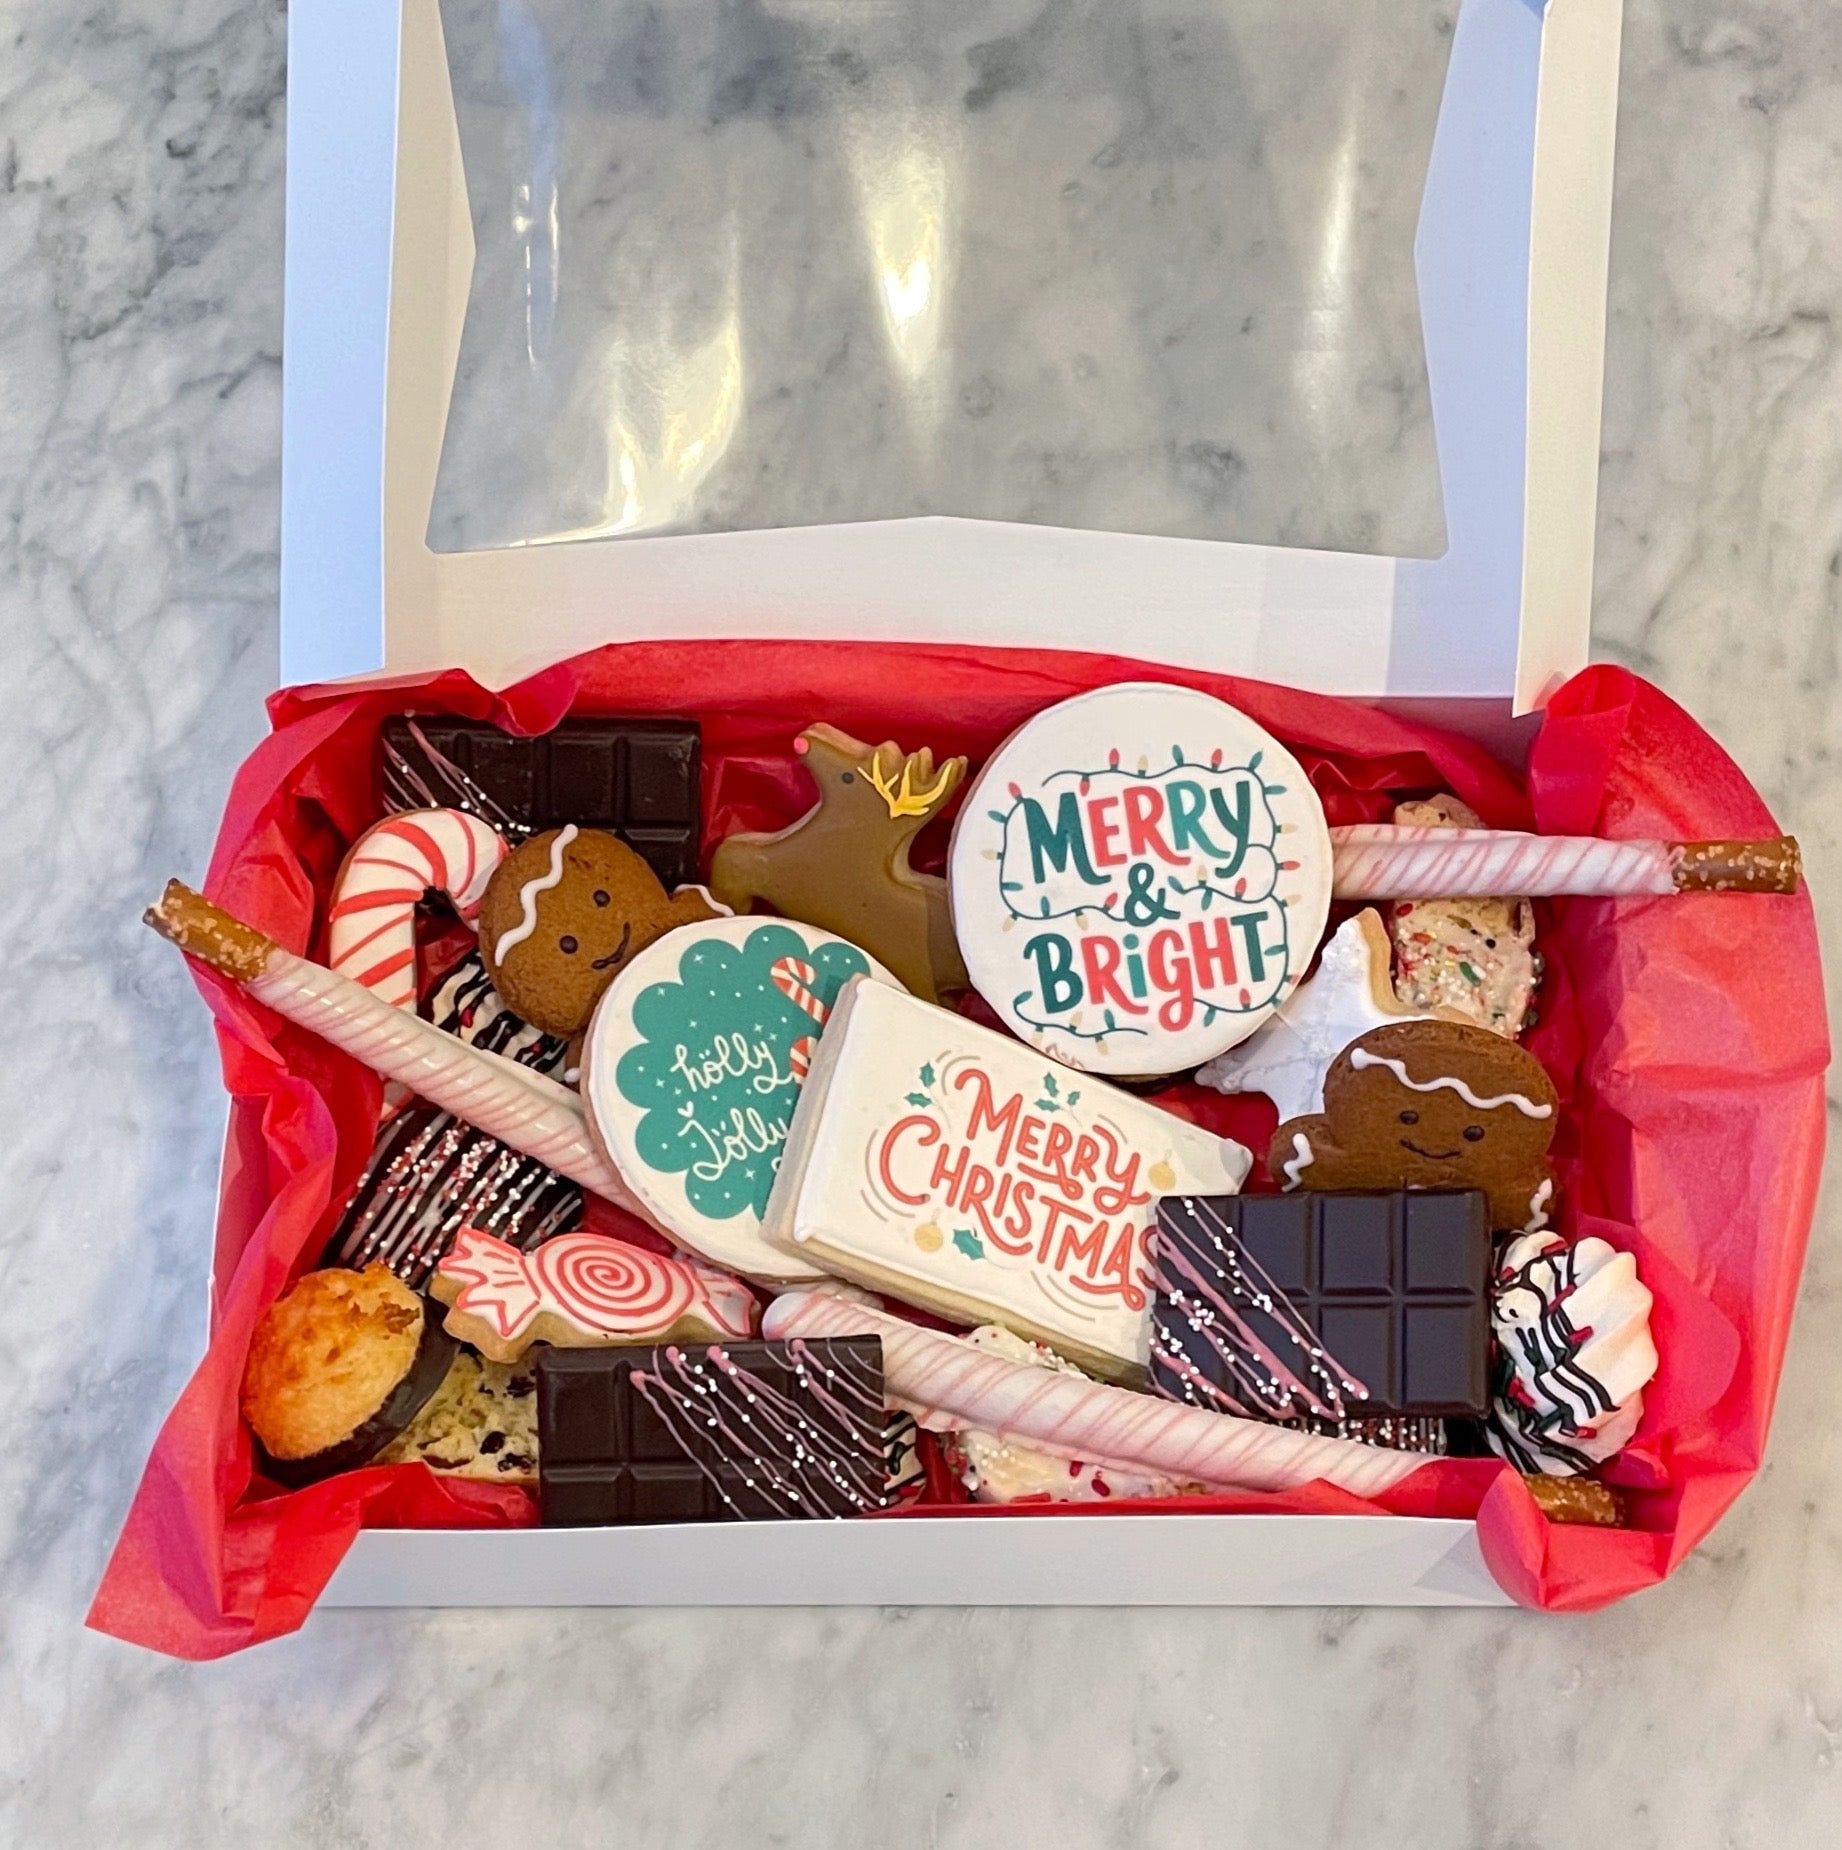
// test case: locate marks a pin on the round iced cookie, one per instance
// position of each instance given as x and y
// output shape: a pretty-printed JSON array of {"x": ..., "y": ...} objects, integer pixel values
[
  {"x": 693, "y": 1063},
  {"x": 1139, "y": 877}
]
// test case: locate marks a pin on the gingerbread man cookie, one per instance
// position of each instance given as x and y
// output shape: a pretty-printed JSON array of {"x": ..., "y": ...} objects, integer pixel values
[
  {"x": 1430, "y": 1104},
  {"x": 565, "y": 913}
]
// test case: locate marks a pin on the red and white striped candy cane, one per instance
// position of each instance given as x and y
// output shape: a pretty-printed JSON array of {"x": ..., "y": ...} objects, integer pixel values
[{"x": 372, "y": 925}]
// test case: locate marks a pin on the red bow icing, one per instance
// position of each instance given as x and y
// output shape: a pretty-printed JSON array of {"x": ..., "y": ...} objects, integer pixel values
[{"x": 496, "y": 1279}]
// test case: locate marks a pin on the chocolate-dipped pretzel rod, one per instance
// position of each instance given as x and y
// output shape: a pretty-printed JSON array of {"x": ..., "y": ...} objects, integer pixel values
[
  {"x": 1375, "y": 860},
  {"x": 1071, "y": 1417},
  {"x": 519, "y": 1107}
]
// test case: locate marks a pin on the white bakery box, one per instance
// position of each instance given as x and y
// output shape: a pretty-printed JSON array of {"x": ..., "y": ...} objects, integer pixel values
[{"x": 796, "y": 319}]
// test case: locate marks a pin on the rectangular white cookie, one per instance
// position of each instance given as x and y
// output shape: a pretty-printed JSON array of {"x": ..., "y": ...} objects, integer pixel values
[{"x": 959, "y": 1170}]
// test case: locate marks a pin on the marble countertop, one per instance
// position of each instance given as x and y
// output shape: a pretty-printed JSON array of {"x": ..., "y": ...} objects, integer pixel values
[{"x": 140, "y": 328}]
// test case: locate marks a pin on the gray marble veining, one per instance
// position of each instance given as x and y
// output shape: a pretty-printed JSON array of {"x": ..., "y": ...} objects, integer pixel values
[
  {"x": 140, "y": 166},
  {"x": 1134, "y": 264}
]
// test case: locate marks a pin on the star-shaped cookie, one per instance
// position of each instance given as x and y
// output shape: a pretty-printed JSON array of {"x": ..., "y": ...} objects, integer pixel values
[{"x": 1351, "y": 993}]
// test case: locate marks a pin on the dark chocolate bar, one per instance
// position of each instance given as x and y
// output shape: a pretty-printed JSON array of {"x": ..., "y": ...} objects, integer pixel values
[
  {"x": 637, "y": 778},
  {"x": 1362, "y": 1313},
  {"x": 711, "y": 1432},
  {"x": 431, "y": 1175}
]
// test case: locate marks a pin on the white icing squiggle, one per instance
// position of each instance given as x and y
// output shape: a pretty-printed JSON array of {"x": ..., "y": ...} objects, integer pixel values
[
  {"x": 1361, "y": 1057},
  {"x": 1300, "y": 1159},
  {"x": 527, "y": 894},
  {"x": 1538, "y": 1206}
]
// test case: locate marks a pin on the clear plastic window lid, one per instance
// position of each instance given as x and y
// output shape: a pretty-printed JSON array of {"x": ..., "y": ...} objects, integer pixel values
[{"x": 1133, "y": 265}]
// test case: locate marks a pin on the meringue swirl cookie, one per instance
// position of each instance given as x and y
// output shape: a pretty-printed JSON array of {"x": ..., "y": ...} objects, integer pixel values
[
  {"x": 1139, "y": 878},
  {"x": 693, "y": 1063},
  {"x": 1574, "y": 1353}
]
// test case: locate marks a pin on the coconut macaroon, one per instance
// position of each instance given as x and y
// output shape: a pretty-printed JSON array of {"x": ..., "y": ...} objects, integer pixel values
[{"x": 338, "y": 1366}]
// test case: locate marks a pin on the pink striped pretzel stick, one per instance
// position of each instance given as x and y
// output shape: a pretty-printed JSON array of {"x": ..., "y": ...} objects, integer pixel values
[
  {"x": 519, "y": 1107},
  {"x": 1071, "y": 1417},
  {"x": 1375, "y": 860}
]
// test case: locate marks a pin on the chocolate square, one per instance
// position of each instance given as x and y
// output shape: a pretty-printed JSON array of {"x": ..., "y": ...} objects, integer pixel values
[
  {"x": 638, "y": 778},
  {"x": 1436, "y": 1355},
  {"x": 1279, "y": 1242},
  {"x": 661, "y": 778},
  {"x": 1329, "y": 1309},
  {"x": 1359, "y": 1242},
  {"x": 1361, "y": 1337},
  {"x": 1438, "y": 1240},
  {"x": 711, "y": 1432}
]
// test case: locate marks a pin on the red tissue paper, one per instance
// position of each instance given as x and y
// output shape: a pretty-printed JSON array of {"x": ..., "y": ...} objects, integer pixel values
[{"x": 1687, "y": 1037}]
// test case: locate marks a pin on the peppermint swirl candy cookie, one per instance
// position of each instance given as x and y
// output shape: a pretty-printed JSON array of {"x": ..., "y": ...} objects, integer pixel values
[{"x": 581, "y": 1291}]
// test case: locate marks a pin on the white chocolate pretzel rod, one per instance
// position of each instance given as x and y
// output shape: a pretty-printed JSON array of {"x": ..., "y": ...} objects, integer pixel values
[
  {"x": 521, "y": 1108},
  {"x": 1376, "y": 860},
  {"x": 1072, "y": 1417}
]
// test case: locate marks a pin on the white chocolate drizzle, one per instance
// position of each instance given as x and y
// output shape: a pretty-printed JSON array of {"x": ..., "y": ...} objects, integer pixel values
[
  {"x": 527, "y": 894},
  {"x": 1360, "y": 1057}
]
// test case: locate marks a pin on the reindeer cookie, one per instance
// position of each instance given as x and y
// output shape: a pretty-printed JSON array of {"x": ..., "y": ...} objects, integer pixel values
[
  {"x": 564, "y": 913},
  {"x": 844, "y": 865},
  {"x": 1430, "y": 1104}
]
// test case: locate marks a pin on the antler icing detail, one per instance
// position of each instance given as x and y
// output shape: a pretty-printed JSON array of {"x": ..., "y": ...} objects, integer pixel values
[{"x": 904, "y": 799}]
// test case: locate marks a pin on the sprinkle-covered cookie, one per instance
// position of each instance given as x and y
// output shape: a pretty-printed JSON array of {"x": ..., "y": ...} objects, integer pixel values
[{"x": 1475, "y": 956}]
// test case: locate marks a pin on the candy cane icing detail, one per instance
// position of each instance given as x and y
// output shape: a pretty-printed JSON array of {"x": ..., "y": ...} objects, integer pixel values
[
  {"x": 371, "y": 926},
  {"x": 794, "y": 978},
  {"x": 1360, "y": 1057},
  {"x": 527, "y": 894}
]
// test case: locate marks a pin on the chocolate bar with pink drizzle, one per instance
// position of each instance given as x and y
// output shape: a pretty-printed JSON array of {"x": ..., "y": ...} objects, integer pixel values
[
  {"x": 1362, "y": 1313},
  {"x": 711, "y": 1432}
]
